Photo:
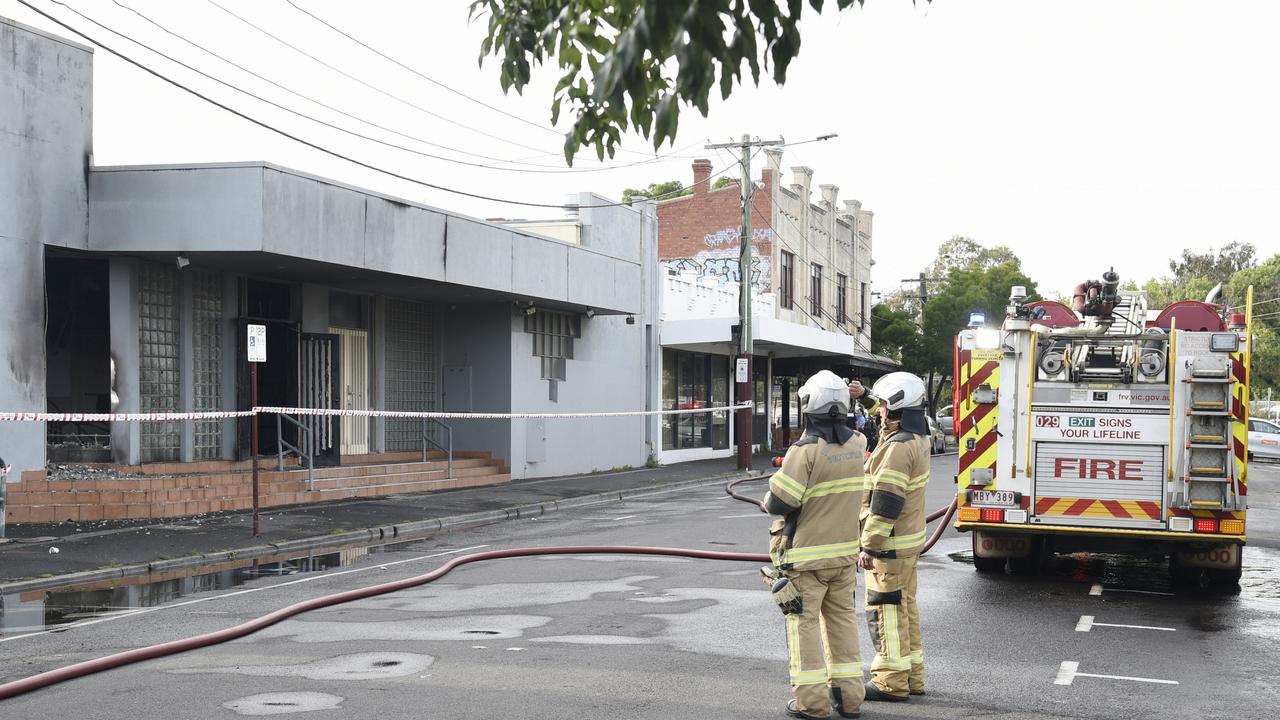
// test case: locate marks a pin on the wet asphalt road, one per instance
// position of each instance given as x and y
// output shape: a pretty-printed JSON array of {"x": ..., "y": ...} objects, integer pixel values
[{"x": 637, "y": 637}]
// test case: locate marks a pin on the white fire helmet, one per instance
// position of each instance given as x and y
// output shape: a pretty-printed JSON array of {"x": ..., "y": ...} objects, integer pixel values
[
  {"x": 824, "y": 394},
  {"x": 899, "y": 391}
]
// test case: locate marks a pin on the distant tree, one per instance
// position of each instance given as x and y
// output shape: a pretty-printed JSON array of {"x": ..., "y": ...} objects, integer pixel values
[
  {"x": 968, "y": 289},
  {"x": 659, "y": 190},
  {"x": 1265, "y": 280},
  {"x": 1195, "y": 274},
  {"x": 974, "y": 278},
  {"x": 723, "y": 182},
  {"x": 894, "y": 332}
]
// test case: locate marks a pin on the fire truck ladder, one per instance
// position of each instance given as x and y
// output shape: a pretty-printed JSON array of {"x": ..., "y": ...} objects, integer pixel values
[{"x": 1209, "y": 478}]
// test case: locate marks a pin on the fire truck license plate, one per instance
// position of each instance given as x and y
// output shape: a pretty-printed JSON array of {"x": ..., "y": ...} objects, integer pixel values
[{"x": 1004, "y": 498}]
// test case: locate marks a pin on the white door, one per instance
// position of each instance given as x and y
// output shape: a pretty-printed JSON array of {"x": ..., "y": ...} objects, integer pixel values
[{"x": 355, "y": 389}]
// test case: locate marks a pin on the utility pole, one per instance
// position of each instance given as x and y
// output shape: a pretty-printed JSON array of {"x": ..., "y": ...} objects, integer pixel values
[
  {"x": 924, "y": 281},
  {"x": 743, "y": 371}
]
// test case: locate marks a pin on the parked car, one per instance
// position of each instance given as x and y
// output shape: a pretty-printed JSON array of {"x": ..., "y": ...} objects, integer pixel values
[
  {"x": 946, "y": 422},
  {"x": 937, "y": 441},
  {"x": 1264, "y": 439}
]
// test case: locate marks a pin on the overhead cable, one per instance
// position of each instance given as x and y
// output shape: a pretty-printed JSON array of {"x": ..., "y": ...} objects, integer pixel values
[{"x": 316, "y": 146}]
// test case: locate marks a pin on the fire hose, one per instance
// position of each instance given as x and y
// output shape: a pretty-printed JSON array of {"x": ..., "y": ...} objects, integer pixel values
[{"x": 129, "y": 657}]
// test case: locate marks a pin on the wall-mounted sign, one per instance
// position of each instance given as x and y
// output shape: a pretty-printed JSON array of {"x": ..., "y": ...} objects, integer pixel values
[{"x": 257, "y": 343}]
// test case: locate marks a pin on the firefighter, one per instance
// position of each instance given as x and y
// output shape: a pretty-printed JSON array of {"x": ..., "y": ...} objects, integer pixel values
[
  {"x": 893, "y": 534},
  {"x": 814, "y": 545}
]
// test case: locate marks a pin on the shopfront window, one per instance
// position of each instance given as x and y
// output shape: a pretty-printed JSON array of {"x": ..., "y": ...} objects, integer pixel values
[{"x": 692, "y": 381}]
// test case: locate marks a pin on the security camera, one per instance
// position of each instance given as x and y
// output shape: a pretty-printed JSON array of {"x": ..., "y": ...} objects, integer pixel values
[
  {"x": 530, "y": 310},
  {"x": 182, "y": 262},
  {"x": 631, "y": 319},
  {"x": 591, "y": 313}
]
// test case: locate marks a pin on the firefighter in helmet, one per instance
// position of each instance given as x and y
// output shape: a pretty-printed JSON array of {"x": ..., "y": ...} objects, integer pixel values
[
  {"x": 814, "y": 546},
  {"x": 893, "y": 534}
]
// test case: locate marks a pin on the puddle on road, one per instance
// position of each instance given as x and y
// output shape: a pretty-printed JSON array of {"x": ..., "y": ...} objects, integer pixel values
[
  {"x": 49, "y": 609},
  {"x": 282, "y": 703},
  {"x": 1259, "y": 587}
]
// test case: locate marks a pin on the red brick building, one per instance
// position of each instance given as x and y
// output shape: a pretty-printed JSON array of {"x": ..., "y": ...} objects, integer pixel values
[{"x": 701, "y": 232}]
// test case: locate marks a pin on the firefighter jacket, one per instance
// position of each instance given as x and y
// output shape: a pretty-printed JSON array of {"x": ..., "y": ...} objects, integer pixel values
[
  {"x": 893, "y": 514},
  {"x": 819, "y": 491}
]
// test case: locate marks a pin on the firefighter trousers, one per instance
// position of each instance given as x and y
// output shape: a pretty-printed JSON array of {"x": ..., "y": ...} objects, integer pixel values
[
  {"x": 894, "y": 620},
  {"x": 822, "y": 642}
]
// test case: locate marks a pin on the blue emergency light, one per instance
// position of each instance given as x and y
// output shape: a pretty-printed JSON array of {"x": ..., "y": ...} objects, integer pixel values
[{"x": 977, "y": 319}]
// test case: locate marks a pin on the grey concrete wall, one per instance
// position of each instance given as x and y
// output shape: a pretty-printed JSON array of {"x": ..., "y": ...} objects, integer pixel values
[
  {"x": 614, "y": 365},
  {"x": 478, "y": 337},
  {"x": 176, "y": 209},
  {"x": 46, "y": 103}
]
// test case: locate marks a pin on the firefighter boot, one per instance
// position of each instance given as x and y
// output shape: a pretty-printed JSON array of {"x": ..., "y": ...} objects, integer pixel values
[
  {"x": 837, "y": 701},
  {"x": 890, "y": 630}
]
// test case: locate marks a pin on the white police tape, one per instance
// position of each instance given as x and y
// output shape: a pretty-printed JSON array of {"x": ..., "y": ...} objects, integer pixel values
[
  {"x": 121, "y": 417},
  {"x": 337, "y": 412},
  {"x": 334, "y": 412}
]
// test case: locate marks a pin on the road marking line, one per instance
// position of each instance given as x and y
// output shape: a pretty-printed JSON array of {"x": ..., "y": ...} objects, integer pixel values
[
  {"x": 625, "y": 517},
  {"x": 1087, "y": 623},
  {"x": 1098, "y": 589},
  {"x": 1070, "y": 670},
  {"x": 143, "y": 611}
]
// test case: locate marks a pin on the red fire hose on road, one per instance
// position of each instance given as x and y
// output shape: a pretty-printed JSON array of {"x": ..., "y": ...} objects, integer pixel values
[
  {"x": 128, "y": 657},
  {"x": 89, "y": 667}
]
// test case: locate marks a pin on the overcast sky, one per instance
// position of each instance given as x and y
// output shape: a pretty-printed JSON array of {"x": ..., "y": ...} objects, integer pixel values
[{"x": 1081, "y": 134}]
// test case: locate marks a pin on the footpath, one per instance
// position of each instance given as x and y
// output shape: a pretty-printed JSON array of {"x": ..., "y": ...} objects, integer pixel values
[{"x": 39, "y": 556}]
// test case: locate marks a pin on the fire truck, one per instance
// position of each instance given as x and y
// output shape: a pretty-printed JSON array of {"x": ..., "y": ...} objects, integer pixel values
[{"x": 1102, "y": 427}]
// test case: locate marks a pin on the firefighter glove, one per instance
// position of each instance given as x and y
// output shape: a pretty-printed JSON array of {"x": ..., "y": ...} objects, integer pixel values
[{"x": 787, "y": 597}]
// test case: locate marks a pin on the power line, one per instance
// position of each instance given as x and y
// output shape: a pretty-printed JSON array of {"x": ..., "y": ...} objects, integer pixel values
[
  {"x": 371, "y": 86},
  {"x": 429, "y": 79},
  {"x": 437, "y": 83},
  {"x": 313, "y": 145},
  {"x": 548, "y": 169}
]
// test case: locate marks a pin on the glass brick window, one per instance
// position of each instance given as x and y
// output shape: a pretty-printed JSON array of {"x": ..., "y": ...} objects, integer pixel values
[
  {"x": 553, "y": 334},
  {"x": 206, "y": 361},
  {"x": 158, "y": 360}
]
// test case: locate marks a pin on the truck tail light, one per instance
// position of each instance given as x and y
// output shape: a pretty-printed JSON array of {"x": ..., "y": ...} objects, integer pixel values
[
  {"x": 970, "y": 514},
  {"x": 993, "y": 515},
  {"x": 1180, "y": 524},
  {"x": 1232, "y": 527},
  {"x": 1206, "y": 525}
]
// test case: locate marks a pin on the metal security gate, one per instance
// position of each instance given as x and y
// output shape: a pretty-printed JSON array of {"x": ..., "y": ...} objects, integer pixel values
[
  {"x": 411, "y": 376},
  {"x": 158, "y": 360},
  {"x": 319, "y": 379},
  {"x": 354, "y": 389}
]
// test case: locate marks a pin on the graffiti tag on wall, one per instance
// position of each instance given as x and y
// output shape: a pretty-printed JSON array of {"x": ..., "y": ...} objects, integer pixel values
[
  {"x": 733, "y": 236},
  {"x": 724, "y": 265}
]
